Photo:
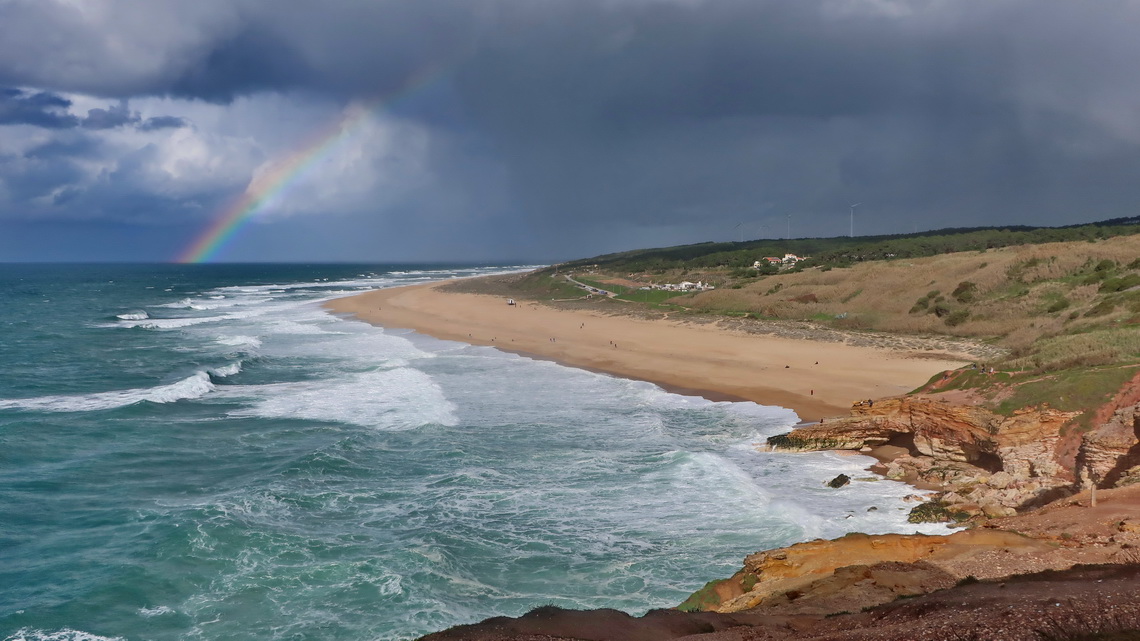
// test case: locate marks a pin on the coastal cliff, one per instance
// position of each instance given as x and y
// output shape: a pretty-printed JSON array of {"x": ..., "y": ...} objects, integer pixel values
[{"x": 988, "y": 464}]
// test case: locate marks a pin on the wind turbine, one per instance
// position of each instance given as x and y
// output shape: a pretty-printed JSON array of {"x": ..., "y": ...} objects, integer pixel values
[
  {"x": 852, "y": 231},
  {"x": 740, "y": 226},
  {"x": 789, "y": 217}
]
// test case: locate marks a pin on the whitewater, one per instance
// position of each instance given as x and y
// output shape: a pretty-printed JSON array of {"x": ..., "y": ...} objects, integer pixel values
[{"x": 204, "y": 453}]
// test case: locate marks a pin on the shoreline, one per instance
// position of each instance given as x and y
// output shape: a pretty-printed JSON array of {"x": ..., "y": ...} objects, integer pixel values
[{"x": 815, "y": 379}]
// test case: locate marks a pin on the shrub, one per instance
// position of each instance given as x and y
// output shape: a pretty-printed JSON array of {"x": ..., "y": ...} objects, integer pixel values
[
  {"x": 1058, "y": 305},
  {"x": 964, "y": 292},
  {"x": 1101, "y": 308},
  {"x": 941, "y": 310},
  {"x": 957, "y": 317},
  {"x": 1120, "y": 284}
]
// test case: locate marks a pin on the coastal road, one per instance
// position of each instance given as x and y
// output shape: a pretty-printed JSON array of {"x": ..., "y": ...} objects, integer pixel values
[{"x": 591, "y": 288}]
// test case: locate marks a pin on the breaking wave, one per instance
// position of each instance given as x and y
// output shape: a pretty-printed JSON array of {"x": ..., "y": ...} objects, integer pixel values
[{"x": 191, "y": 387}]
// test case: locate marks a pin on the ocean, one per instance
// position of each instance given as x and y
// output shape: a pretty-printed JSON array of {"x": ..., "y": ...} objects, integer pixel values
[{"x": 201, "y": 452}]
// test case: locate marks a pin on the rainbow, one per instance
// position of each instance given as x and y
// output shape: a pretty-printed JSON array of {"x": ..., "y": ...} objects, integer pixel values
[{"x": 284, "y": 172}]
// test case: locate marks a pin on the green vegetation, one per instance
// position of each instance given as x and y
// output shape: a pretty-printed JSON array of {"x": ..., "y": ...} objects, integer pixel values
[
  {"x": 1070, "y": 390},
  {"x": 544, "y": 285},
  {"x": 704, "y": 599},
  {"x": 633, "y": 294}
]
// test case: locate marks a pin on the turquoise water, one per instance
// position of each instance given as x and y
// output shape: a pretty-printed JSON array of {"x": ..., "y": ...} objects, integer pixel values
[{"x": 202, "y": 452}]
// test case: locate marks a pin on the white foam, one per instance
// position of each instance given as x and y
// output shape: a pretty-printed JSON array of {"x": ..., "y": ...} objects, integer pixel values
[
  {"x": 396, "y": 399},
  {"x": 65, "y": 634},
  {"x": 139, "y": 315},
  {"x": 182, "y": 304},
  {"x": 216, "y": 302},
  {"x": 189, "y": 321},
  {"x": 293, "y": 327},
  {"x": 169, "y": 323},
  {"x": 154, "y": 612},
  {"x": 191, "y": 387},
  {"x": 227, "y": 370},
  {"x": 371, "y": 346},
  {"x": 240, "y": 341}
]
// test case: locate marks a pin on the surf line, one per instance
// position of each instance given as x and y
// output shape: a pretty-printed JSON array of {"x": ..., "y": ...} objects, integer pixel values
[{"x": 286, "y": 171}]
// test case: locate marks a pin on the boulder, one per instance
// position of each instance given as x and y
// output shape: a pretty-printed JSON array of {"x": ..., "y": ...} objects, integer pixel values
[{"x": 839, "y": 481}]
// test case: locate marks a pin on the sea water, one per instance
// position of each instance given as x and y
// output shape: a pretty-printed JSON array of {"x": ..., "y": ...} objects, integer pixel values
[{"x": 203, "y": 452}]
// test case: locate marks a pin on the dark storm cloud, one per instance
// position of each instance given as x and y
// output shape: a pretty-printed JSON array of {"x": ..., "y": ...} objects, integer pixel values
[
  {"x": 40, "y": 109},
  {"x": 687, "y": 115}
]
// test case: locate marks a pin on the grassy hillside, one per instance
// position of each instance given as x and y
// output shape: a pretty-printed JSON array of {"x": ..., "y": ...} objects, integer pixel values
[{"x": 1052, "y": 305}]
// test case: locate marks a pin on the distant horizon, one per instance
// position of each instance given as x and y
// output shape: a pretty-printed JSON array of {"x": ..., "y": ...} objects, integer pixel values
[{"x": 507, "y": 262}]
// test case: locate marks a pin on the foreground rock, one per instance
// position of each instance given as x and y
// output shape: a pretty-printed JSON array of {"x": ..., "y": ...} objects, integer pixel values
[
  {"x": 1066, "y": 569},
  {"x": 858, "y": 571},
  {"x": 1073, "y": 604}
]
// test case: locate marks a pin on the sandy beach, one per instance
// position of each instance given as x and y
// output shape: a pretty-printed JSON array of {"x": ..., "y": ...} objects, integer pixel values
[{"x": 816, "y": 379}]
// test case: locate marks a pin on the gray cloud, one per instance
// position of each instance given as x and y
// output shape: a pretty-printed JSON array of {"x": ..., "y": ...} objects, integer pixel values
[
  {"x": 115, "y": 116},
  {"x": 163, "y": 122},
  {"x": 594, "y": 125},
  {"x": 40, "y": 109}
]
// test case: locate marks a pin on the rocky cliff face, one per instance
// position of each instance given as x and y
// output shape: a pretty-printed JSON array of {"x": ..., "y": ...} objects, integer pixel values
[
  {"x": 1110, "y": 454},
  {"x": 992, "y": 464}
]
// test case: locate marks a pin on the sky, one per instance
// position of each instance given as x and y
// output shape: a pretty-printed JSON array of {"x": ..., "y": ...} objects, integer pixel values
[{"x": 543, "y": 130}]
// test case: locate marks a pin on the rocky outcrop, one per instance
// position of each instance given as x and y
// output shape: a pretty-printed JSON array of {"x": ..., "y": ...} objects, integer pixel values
[
  {"x": 1109, "y": 454},
  {"x": 885, "y": 567},
  {"x": 1021, "y": 444},
  {"x": 992, "y": 464}
]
